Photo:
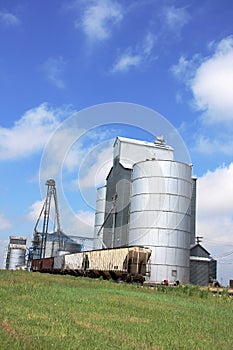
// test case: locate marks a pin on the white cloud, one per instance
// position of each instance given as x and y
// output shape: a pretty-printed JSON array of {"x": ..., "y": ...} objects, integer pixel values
[
  {"x": 77, "y": 144},
  {"x": 80, "y": 151},
  {"x": 215, "y": 193},
  {"x": 9, "y": 19},
  {"x": 185, "y": 69},
  {"x": 135, "y": 57},
  {"x": 212, "y": 85},
  {"x": 214, "y": 145},
  {"x": 127, "y": 61},
  {"x": 36, "y": 214},
  {"x": 80, "y": 224},
  {"x": 215, "y": 204},
  {"x": 34, "y": 211},
  {"x": 210, "y": 79},
  {"x": 99, "y": 18},
  {"x": 176, "y": 18},
  {"x": 148, "y": 44},
  {"x": 4, "y": 222},
  {"x": 72, "y": 158},
  {"x": 59, "y": 152},
  {"x": 215, "y": 216},
  {"x": 53, "y": 69},
  {"x": 87, "y": 217},
  {"x": 94, "y": 174},
  {"x": 29, "y": 134}
]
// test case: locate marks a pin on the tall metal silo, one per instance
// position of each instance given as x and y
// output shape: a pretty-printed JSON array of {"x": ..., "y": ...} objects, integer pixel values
[
  {"x": 99, "y": 217},
  {"x": 16, "y": 253},
  {"x": 17, "y": 258},
  {"x": 160, "y": 216}
]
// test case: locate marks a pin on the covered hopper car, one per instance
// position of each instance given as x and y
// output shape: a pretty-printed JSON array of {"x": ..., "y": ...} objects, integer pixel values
[{"x": 127, "y": 264}]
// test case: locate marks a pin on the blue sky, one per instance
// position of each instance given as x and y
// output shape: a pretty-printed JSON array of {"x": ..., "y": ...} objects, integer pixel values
[{"x": 58, "y": 58}]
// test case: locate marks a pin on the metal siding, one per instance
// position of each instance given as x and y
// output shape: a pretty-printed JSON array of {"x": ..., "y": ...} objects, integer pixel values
[
  {"x": 199, "y": 251},
  {"x": 199, "y": 273},
  {"x": 52, "y": 245},
  {"x": 16, "y": 258},
  {"x": 72, "y": 247},
  {"x": 51, "y": 248},
  {"x": 202, "y": 252},
  {"x": 159, "y": 201},
  {"x": 193, "y": 211},
  {"x": 99, "y": 216},
  {"x": 159, "y": 271},
  {"x": 36, "y": 265},
  {"x": 107, "y": 262},
  {"x": 164, "y": 226},
  {"x": 73, "y": 261},
  {"x": 158, "y": 219},
  {"x": 133, "y": 152},
  {"x": 213, "y": 269},
  {"x": 118, "y": 182},
  {"x": 104, "y": 260},
  {"x": 47, "y": 264},
  {"x": 58, "y": 262}
]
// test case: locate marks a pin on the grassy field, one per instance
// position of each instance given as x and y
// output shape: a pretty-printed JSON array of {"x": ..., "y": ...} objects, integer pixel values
[{"x": 41, "y": 311}]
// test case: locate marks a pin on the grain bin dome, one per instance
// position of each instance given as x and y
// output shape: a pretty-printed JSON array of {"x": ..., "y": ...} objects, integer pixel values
[{"x": 160, "y": 216}]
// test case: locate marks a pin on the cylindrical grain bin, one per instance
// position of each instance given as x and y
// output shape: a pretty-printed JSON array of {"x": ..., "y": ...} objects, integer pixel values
[
  {"x": 16, "y": 258},
  {"x": 160, "y": 216},
  {"x": 99, "y": 217}
]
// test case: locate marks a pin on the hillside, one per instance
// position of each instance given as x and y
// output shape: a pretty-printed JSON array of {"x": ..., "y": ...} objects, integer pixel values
[{"x": 41, "y": 311}]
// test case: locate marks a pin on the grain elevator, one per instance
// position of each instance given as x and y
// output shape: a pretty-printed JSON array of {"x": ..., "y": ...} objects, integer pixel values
[{"x": 148, "y": 200}]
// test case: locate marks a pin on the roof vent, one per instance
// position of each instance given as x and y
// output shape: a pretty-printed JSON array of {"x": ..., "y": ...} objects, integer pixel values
[{"x": 160, "y": 140}]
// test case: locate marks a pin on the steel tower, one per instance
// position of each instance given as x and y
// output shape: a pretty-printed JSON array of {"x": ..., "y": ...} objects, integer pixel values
[{"x": 51, "y": 194}]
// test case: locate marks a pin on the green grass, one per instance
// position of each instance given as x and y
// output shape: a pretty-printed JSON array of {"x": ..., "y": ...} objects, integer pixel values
[{"x": 41, "y": 311}]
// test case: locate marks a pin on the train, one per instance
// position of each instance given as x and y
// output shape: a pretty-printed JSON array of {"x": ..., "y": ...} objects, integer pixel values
[{"x": 127, "y": 264}]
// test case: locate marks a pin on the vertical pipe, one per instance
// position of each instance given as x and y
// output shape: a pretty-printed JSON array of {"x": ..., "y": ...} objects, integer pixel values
[
  {"x": 137, "y": 268},
  {"x": 113, "y": 226}
]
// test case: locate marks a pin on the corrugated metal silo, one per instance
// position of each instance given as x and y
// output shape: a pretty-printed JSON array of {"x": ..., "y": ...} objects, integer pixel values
[
  {"x": 16, "y": 253},
  {"x": 99, "y": 216},
  {"x": 160, "y": 216},
  {"x": 16, "y": 258}
]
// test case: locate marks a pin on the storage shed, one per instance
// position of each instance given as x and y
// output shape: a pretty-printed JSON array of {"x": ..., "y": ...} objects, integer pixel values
[{"x": 199, "y": 265}]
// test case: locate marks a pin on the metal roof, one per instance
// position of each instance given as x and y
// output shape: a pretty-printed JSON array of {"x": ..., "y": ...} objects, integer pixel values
[
  {"x": 155, "y": 144},
  {"x": 198, "y": 245}
]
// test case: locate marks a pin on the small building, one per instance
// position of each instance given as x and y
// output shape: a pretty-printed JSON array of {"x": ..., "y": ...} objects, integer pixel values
[
  {"x": 213, "y": 269},
  {"x": 202, "y": 266}
]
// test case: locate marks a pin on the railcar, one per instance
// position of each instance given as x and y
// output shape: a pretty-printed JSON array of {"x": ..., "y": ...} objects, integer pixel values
[{"x": 127, "y": 264}]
